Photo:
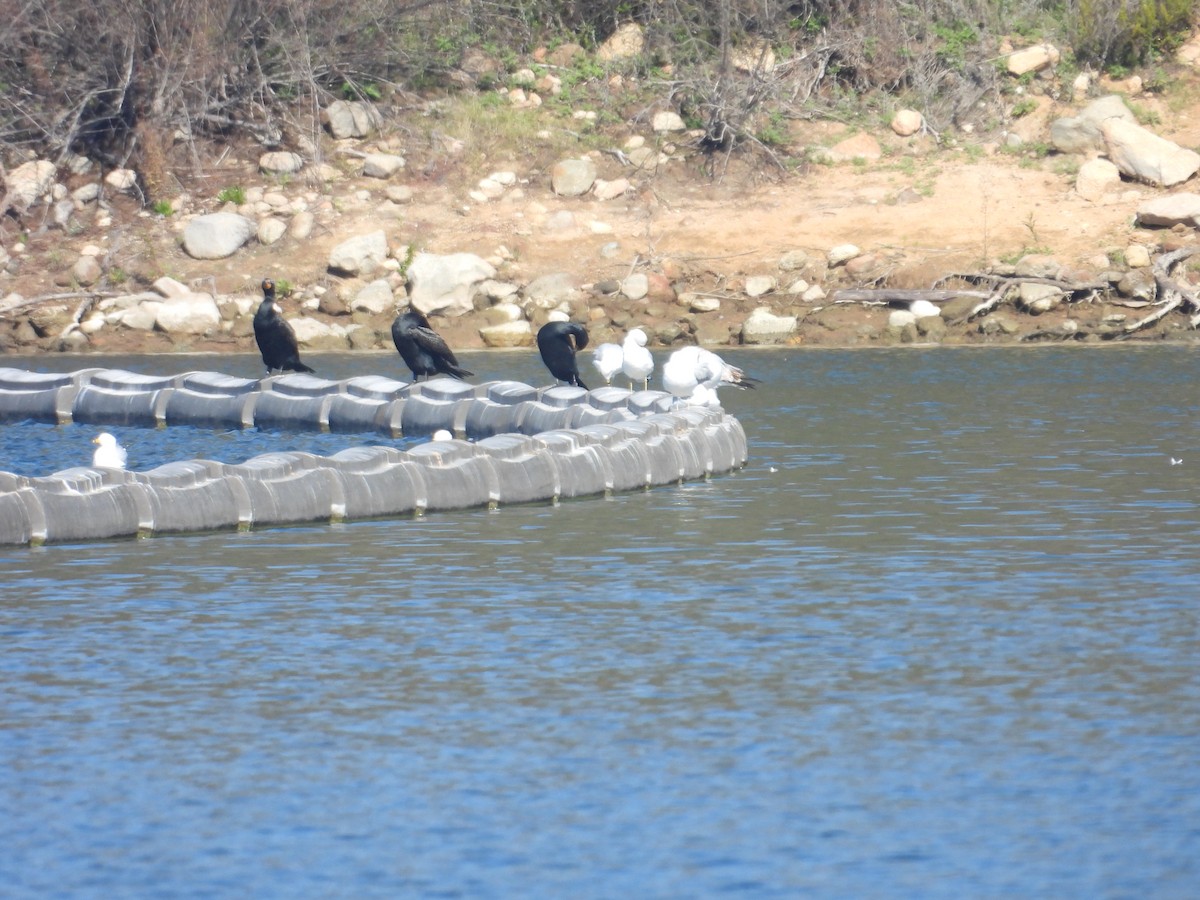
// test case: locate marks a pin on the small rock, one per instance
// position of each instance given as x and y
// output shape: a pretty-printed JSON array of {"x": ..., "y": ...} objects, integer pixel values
[
  {"x": 507, "y": 334},
  {"x": 382, "y": 165},
  {"x": 1137, "y": 256},
  {"x": 573, "y": 177},
  {"x": 280, "y": 162},
  {"x": 907, "y": 122},
  {"x": 271, "y": 230},
  {"x": 841, "y": 254},
  {"x": 757, "y": 285}
]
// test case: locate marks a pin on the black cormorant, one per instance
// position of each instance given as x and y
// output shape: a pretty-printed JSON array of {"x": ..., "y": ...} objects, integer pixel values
[
  {"x": 557, "y": 342},
  {"x": 275, "y": 338},
  {"x": 423, "y": 349}
]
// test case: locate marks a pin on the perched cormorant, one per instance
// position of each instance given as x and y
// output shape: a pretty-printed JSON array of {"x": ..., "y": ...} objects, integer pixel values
[
  {"x": 694, "y": 374},
  {"x": 423, "y": 349},
  {"x": 275, "y": 338},
  {"x": 557, "y": 342},
  {"x": 607, "y": 358},
  {"x": 637, "y": 362},
  {"x": 108, "y": 454}
]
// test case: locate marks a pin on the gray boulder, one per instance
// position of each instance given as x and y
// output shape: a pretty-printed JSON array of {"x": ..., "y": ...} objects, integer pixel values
[
  {"x": 376, "y": 298},
  {"x": 1141, "y": 154},
  {"x": 1081, "y": 134},
  {"x": 360, "y": 255},
  {"x": 217, "y": 235},
  {"x": 382, "y": 165},
  {"x": 550, "y": 291},
  {"x": 28, "y": 183},
  {"x": 1169, "y": 210},
  {"x": 280, "y": 162},
  {"x": 764, "y": 327},
  {"x": 573, "y": 177},
  {"x": 446, "y": 284},
  {"x": 192, "y": 314},
  {"x": 351, "y": 119}
]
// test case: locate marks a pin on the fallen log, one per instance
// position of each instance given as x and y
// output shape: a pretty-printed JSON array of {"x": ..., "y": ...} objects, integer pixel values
[{"x": 884, "y": 296}]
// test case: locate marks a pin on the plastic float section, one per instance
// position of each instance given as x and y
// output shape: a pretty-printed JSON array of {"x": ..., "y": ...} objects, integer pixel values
[{"x": 531, "y": 445}]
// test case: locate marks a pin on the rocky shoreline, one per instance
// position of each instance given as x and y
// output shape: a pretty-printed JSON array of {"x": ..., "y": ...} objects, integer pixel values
[{"x": 355, "y": 241}]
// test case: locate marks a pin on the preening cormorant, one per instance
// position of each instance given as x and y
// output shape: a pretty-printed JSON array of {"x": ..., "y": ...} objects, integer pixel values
[
  {"x": 557, "y": 342},
  {"x": 275, "y": 338},
  {"x": 423, "y": 349}
]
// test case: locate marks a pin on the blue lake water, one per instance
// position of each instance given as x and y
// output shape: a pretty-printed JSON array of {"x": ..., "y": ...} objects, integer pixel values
[{"x": 939, "y": 638}]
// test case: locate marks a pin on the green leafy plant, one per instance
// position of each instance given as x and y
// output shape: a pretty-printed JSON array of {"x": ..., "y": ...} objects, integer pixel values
[
  {"x": 162, "y": 208},
  {"x": 1023, "y": 107},
  {"x": 354, "y": 91},
  {"x": 235, "y": 195}
]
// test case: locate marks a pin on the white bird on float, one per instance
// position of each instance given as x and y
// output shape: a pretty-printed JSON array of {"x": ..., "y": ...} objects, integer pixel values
[
  {"x": 693, "y": 368},
  {"x": 637, "y": 363},
  {"x": 608, "y": 359},
  {"x": 108, "y": 454}
]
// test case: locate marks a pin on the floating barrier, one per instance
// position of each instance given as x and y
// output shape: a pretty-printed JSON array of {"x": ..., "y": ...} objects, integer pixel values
[{"x": 514, "y": 444}]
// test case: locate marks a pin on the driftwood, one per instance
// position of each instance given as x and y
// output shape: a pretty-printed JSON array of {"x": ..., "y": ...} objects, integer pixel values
[
  {"x": 988, "y": 300},
  {"x": 884, "y": 296},
  {"x": 1171, "y": 294}
]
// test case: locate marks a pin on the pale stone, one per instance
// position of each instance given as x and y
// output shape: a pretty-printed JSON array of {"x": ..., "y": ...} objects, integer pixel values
[
  {"x": 193, "y": 314},
  {"x": 302, "y": 225},
  {"x": 667, "y": 120},
  {"x": 756, "y": 56},
  {"x": 1137, "y": 256},
  {"x": 359, "y": 255},
  {"x": 1141, "y": 154},
  {"x": 907, "y": 122},
  {"x": 376, "y": 298},
  {"x": 503, "y": 313},
  {"x": 507, "y": 334},
  {"x": 281, "y": 162},
  {"x": 1096, "y": 178},
  {"x": 1039, "y": 298},
  {"x": 271, "y": 230},
  {"x": 764, "y": 327},
  {"x": 757, "y": 285},
  {"x": 842, "y": 254},
  {"x": 217, "y": 235},
  {"x": 1033, "y": 59},
  {"x": 28, "y": 183},
  {"x": 573, "y": 177},
  {"x": 382, "y": 165},
  {"x": 610, "y": 190},
  {"x": 86, "y": 270},
  {"x": 1169, "y": 210},
  {"x": 121, "y": 179},
  {"x": 626, "y": 41},
  {"x": 636, "y": 286}
]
